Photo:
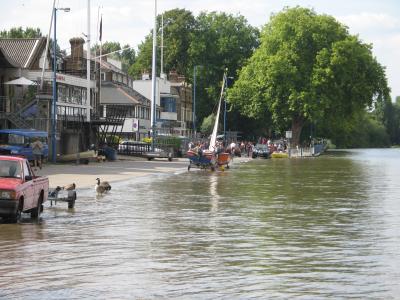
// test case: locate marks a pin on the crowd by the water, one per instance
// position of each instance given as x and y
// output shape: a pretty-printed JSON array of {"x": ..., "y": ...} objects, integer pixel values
[{"x": 239, "y": 148}]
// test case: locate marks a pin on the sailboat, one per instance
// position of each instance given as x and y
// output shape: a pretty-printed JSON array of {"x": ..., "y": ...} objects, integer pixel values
[
  {"x": 214, "y": 156},
  {"x": 222, "y": 157}
]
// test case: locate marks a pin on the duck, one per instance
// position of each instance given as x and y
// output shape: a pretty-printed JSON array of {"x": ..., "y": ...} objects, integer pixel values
[
  {"x": 69, "y": 187},
  {"x": 102, "y": 187}
]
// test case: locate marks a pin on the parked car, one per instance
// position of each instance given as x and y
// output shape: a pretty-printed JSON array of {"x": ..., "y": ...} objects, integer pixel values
[
  {"x": 260, "y": 150},
  {"x": 20, "y": 189},
  {"x": 18, "y": 142}
]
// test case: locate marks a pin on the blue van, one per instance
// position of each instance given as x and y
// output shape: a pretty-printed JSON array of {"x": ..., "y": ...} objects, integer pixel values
[{"x": 18, "y": 142}]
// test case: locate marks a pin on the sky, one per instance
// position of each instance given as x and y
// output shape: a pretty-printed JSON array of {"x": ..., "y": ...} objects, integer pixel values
[{"x": 129, "y": 21}]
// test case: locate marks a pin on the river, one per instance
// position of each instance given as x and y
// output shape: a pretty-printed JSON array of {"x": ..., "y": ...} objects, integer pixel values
[{"x": 323, "y": 228}]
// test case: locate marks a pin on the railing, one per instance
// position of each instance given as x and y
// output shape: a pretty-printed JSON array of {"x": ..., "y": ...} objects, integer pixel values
[{"x": 134, "y": 148}]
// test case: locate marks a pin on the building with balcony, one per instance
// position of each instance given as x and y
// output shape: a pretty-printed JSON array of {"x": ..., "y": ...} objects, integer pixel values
[
  {"x": 28, "y": 105},
  {"x": 174, "y": 97}
]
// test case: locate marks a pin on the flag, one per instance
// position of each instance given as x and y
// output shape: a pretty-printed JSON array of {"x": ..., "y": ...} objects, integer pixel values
[{"x": 101, "y": 28}]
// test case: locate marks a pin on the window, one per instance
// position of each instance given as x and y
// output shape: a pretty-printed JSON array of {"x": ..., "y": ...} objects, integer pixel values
[
  {"x": 27, "y": 170},
  {"x": 168, "y": 104}
]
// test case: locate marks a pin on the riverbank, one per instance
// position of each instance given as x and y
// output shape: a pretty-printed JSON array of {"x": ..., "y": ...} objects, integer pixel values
[{"x": 125, "y": 168}]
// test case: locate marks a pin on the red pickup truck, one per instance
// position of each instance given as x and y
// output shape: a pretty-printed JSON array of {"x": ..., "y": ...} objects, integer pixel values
[{"x": 20, "y": 190}]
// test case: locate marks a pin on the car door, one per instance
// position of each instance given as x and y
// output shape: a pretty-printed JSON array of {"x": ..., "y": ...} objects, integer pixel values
[{"x": 29, "y": 191}]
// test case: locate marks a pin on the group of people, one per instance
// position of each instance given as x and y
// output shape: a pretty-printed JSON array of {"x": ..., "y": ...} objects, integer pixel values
[{"x": 276, "y": 146}]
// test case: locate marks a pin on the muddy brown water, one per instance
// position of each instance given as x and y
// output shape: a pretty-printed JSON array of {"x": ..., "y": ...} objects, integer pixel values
[{"x": 302, "y": 228}]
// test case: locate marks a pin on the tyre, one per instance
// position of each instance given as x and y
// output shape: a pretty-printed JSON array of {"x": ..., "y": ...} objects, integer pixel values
[
  {"x": 17, "y": 216},
  {"x": 188, "y": 167},
  {"x": 35, "y": 212}
]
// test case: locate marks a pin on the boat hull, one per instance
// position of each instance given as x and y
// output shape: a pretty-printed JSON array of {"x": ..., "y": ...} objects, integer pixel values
[
  {"x": 203, "y": 161},
  {"x": 224, "y": 159}
]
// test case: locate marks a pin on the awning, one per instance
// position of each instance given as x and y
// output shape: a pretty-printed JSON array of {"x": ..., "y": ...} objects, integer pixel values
[{"x": 21, "y": 81}]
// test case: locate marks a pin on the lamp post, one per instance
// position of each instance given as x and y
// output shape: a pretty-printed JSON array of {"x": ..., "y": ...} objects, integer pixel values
[
  {"x": 194, "y": 98},
  {"x": 54, "y": 103},
  {"x": 153, "y": 80}
]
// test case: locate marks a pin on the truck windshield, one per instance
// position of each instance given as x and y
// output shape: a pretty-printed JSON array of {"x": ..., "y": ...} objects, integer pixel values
[
  {"x": 10, "y": 169},
  {"x": 14, "y": 139}
]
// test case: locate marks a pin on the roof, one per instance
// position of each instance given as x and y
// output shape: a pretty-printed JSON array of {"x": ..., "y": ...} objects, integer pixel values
[
  {"x": 7, "y": 157},
  {"x": 6, "y": 61},
  {"x": 22, "y": 51},
  {"x": 25, "y": 132},
  {"x": 114, "y": 94}
]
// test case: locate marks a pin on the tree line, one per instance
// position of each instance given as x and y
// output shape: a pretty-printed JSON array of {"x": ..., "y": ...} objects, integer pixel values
[{"x": 302, "y": 71}]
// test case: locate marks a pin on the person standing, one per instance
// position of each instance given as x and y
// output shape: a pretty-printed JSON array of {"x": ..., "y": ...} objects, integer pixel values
[{"x": 37, "y": 151}]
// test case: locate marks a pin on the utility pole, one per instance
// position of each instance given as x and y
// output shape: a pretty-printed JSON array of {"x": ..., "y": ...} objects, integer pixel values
[
  {"x": 88, "y": 64},
  {"x": 153, "y": 79}
]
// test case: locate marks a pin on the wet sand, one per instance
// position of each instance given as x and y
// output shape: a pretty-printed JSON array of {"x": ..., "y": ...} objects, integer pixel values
[{"x": 125, "y": 168}]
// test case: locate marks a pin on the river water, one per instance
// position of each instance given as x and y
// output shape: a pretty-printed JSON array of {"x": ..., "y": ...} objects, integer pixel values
[{"x": 303, "y": 228}]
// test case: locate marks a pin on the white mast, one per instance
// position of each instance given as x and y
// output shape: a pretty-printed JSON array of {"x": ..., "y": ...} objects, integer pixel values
[
  {"x": 153, "y": 78},
  {"x": 162, "y": 47},
  {"x": 213, "y": 139},
  {"x": 47, "y": 44},
  {"x": 88, "y": 64}
]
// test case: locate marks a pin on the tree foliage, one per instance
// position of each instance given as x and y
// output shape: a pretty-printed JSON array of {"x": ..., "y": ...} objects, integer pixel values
[
  {"x": 308, "y": 68},
  {"x": 127, "y": 56},
  {"x": 20, "y": 33},
  {"x": 178, "y": 25},
  {"x": 219, "y": 41},
  {"x": 208, "y": 124}
]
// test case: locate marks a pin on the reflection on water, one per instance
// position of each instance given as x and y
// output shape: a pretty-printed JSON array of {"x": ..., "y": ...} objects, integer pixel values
[{"x": 306, "y": 228}]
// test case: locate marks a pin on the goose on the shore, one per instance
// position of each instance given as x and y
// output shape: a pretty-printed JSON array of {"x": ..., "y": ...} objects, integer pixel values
[
  {"x": 102, "y": 187},
  {"x": 69, "y": 187}
]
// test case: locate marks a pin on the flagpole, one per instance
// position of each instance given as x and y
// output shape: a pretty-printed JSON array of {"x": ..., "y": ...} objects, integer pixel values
[
  {"x": 88, "y": 104},
  {"x": 153, "y": 79},
  {"x": 101, "y": 50}
]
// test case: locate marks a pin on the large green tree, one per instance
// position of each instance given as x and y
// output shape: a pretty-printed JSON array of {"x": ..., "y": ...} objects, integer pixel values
[
  {"x": 126, "y": 56},
  {"x": 219, "y": 41},
  {"x": 308, "y": 68},
  {"x": 178, "y": 26}
]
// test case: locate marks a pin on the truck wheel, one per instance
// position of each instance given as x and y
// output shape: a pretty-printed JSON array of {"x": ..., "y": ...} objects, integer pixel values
[
  {"x": 35, "y": 213},
  {"x": 17, "y": 216}
]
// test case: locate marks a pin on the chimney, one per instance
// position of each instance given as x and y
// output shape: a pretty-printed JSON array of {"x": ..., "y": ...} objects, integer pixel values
[
  {"x": 173, "y": 76},
  {"x": 77, "y": 58}
]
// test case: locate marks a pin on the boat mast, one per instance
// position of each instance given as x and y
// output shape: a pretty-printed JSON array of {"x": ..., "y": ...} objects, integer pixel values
[
  {"x": 225, "y": 86},
  {"x": 213, "y": 139}
]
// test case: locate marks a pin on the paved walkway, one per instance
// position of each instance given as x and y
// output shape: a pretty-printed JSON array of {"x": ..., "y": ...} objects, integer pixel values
[{"x": 125, "y": 168}]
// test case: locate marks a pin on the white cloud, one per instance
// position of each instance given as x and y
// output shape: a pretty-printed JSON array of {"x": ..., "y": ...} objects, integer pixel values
[{"x": 370, "y": 21}]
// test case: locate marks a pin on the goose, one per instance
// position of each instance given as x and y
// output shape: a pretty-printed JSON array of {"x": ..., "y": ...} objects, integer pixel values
[
  {"x": 69, "y": 187},
  {"x": 102, "y": 187}
]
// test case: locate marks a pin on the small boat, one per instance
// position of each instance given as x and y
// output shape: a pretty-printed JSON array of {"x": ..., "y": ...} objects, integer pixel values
[
  {"x": 279, "y": 155},
  {"x": 213, "y": 157},
  {"x": 202, "y": 160}
]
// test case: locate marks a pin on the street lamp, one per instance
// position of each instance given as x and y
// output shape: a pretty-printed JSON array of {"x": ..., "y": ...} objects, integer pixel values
[
  {"x": 194, "y": 98},
  {"x": 54, "y": 103}
]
